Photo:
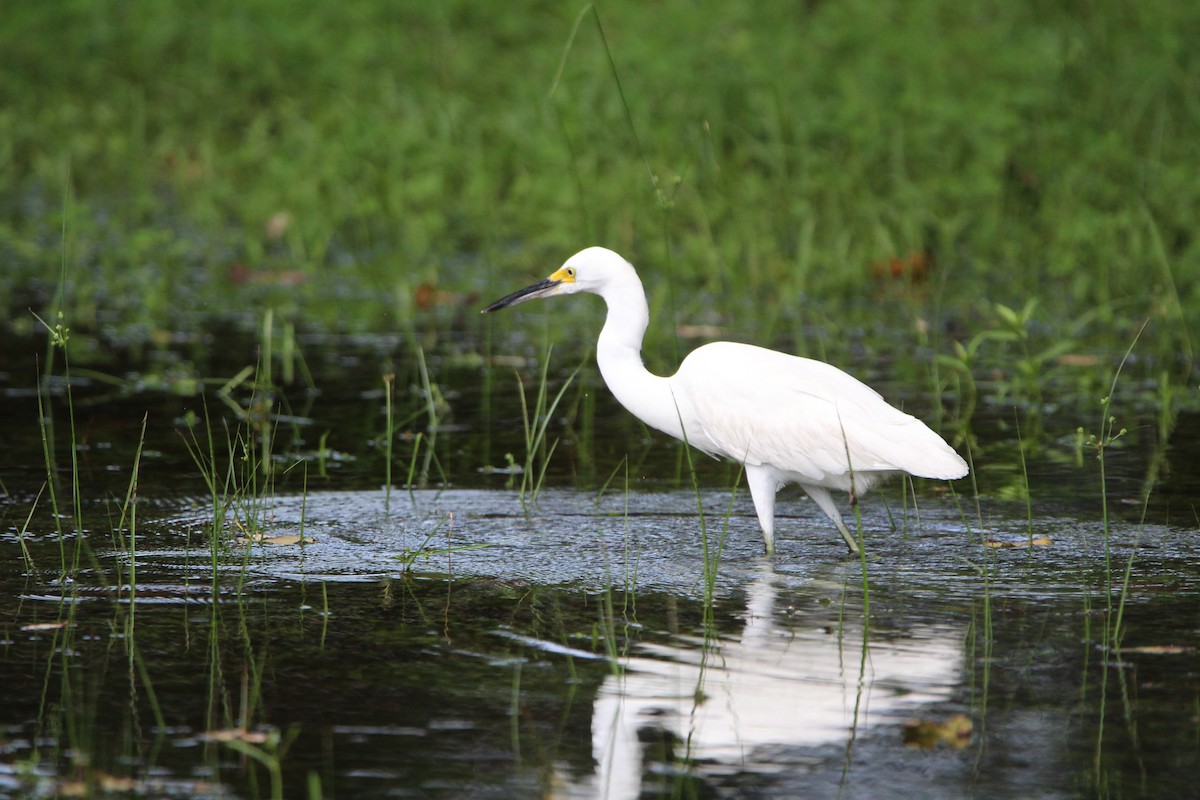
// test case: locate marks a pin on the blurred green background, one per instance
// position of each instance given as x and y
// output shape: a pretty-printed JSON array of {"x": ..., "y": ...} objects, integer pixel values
[{"x": 788, "y": 165}]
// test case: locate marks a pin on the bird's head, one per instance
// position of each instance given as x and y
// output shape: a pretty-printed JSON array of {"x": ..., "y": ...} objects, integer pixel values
[{"x": 592, "y": 270}]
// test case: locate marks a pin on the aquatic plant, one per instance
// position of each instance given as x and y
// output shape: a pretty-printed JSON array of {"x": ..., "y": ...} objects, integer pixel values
[
  {"x": 1113, "y": 630},
  {"x": 535, "y": 424},
  {"x": 389, "y": 384},
  {"x": 434, "y": 404}
]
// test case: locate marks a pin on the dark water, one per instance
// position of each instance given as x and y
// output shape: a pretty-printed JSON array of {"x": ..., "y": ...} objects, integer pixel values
[{"x": 452, "y": 641}]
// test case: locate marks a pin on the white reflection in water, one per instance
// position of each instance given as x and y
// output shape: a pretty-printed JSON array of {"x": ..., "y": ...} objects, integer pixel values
[{"x": 773, "y": 687}]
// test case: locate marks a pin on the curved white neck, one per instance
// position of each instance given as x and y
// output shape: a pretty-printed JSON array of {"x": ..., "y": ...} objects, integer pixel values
[{"x": 619, "y": 355}]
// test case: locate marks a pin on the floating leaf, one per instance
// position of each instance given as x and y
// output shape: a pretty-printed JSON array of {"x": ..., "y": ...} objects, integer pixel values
[
  {"x": 288, "y": 539},
  {"x": 73, "y": 789},
  {"x": 1159, "y": 649},
  {"x": 114, "y": 784},
  {"x": 43, "y": 626},
  {"x": 281, "y": 540},
  {"x": 236, "y": 735},
  {"x": 1041, "y": 541},
  {"x": 926, "y": 734}
]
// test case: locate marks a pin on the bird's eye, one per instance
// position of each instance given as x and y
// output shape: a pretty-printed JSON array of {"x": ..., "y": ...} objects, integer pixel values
[{"x": 570, "y": 272}]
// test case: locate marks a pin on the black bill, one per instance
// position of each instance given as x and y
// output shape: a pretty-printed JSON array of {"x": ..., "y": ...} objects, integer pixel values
[{"x": 521, "y": 295}]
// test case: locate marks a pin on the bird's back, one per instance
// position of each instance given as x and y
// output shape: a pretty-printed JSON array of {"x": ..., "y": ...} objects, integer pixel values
[{"x": 804, "y": 418}]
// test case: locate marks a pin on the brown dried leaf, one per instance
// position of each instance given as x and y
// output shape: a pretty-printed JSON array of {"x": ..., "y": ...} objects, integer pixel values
[
  {"x": 1078, "y": 360},
  {"x": 277, "y": 225},
  {"x": 915, "y": 267},
  {"x": 72, "y": 789},
  {"x": 427, "y": 296},
  {"x": 236, "y": 735},
  {"x": 699, "y": 331},
  {"x": 258, "y": 537},
  {"x": 1041, "y": 541},
  {"x": 43, "y": 626},
  {"x": 926, "y": 734},
  {"x": 286, "y": 539},
  {"x": 113, "y": 783}
]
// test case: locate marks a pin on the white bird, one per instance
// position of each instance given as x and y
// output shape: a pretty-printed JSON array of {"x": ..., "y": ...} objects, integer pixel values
[{"x": 786, "y": 419}]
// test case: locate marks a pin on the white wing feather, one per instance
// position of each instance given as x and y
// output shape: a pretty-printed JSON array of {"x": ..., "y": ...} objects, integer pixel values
[{"x": 804, "y": 417}]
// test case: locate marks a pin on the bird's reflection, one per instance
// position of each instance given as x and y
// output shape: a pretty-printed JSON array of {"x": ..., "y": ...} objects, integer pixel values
[{"x": 793, "y": 679}]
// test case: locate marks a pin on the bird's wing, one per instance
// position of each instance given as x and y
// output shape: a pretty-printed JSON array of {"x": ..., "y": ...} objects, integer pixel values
[{"x": 804, "y": 417}]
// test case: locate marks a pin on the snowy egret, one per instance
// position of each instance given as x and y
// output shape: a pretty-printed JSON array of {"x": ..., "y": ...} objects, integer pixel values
[{"x": 786, "y": 419}]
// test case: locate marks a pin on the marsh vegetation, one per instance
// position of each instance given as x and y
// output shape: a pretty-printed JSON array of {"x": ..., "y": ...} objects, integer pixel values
[{"x": 285, "y": 516}]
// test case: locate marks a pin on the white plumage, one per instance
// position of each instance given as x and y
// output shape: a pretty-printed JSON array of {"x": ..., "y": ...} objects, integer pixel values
[{"x": 787, "y": 419}]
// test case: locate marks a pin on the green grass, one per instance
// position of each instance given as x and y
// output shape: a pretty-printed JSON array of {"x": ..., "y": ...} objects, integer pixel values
[
  {"x": 1035, "y": 151},
  {"x": 318, "y": 168},
  {"x": 536, "y": 425}
]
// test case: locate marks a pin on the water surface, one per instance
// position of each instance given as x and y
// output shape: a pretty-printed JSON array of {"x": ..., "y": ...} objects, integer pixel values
[{"x": 308, "y": 633}]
